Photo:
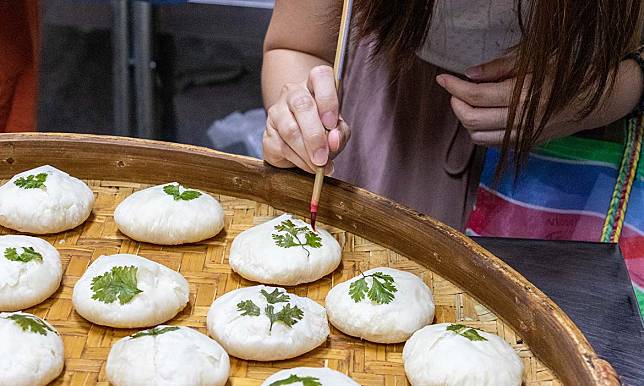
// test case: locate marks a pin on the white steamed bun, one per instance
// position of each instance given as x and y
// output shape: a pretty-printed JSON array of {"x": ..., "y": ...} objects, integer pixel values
[
  {"x": 239, "y": 321},
  {"x": 31, "y": 351},
  {"x": 44, "y": 200},
  {"x": 169, "y": 214},
  {"x": 129, "y": 292},
  {"x": 256, "y": 254},
  {"x": 411, "y": 308},
  {"x": 456, "y": 355},
  {"x": 167, "y": 356},
  {"x": 30, "y": 272},
  {"x": 322, "y": 375}
]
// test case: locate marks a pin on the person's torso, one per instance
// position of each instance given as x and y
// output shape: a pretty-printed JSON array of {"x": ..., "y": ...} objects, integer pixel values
[{"x": 465, "y": 33}]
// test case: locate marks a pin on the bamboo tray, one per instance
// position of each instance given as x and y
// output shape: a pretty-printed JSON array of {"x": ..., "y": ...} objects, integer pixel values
[{"x": 469, "y": 284}]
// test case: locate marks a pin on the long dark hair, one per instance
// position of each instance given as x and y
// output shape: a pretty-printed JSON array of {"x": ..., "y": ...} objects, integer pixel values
[{"x": 574, "y": 44}]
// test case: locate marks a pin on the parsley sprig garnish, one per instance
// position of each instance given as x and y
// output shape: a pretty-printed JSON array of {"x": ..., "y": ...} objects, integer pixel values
[
  {"x": 31, "y": 323},
  {"x": 291, "y": 236},
  {"x": 465, "y": 331},
  {"x": 32, "y": 182},
  {"x": 382, "y": 288},
  {"x": 293, "y": 378},
  {"x": 186, "y": 195},
  {"x": 287, "y": 315},
  {"x": 118, "y": 283},
  {"x": 154, "y": 331},
  {"x": 28, "y": 254},
  {"x": 276, "y": 296},
  {"x": 248, "y": 308}
]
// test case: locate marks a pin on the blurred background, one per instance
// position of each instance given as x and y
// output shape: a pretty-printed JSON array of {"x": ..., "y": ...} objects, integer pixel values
[{"x": 170, "y": 70}]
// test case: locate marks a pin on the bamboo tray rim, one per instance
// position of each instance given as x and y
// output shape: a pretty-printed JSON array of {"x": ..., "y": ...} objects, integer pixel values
[{"x": 12, "y": 147}]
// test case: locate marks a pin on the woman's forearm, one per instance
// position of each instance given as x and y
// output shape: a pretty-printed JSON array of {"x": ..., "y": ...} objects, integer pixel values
[
  {"x": 302, "y": 35},
  {"x": 282, "y": 66},
  {"x": 621, "y": 100}
]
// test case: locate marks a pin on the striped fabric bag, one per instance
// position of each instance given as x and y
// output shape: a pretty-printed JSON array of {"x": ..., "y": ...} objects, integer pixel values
[{"x": 572, "y": 189}]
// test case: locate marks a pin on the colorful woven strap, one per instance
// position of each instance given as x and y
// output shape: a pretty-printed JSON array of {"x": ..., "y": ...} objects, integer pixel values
[{"x": 627, "y": 173}]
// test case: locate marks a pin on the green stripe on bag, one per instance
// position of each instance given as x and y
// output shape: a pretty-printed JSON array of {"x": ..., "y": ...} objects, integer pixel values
[{"x": 585, "y": 149}]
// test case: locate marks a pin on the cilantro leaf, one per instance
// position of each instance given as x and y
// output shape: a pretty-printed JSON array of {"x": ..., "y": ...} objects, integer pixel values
[
  {"x": 285, "y": 226},
  {"x": 276, "y": 296},
  {"x": 28, "y": 254},
  {"x": 381, "y": 292},
  {"x": 120, "y": 282},
  {"x": 313, "y": 240},
  {"x": 306, "y": 381},
  {"x": 248, "y": 308},
  {"x": 154, "y": 331},
  {"x": 172, "y": 190},
  {"x": 456, "y": 327},
  {"x": 31, "y": 323},
  {"x": 291, "y": 236},
  {"x": 472, "y": 335},
  {"x": 382, "y": 288},
  {"x": 290, "y": 315},
  {"x": 358, "y": 289},
  {"x": 465, "y": 331},
  {"x": 32, "y": 182},
  {"x": 186, "y": 195},
  {"x": 287, "y": 315},
  {"x": 285, "y": 241}
]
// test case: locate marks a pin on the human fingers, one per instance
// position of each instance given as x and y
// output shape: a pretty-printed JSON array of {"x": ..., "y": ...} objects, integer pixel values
[
  {"x": 491, "y": 137},
  {"x": 495, "y": 94},
  {"x": 339, "y": 137},
  {"x": 494, "y": 70},
  {"x": 280, "y": 153},
  {"x": 479, "y": 118},
  {"x": 303, "y": 108},
  {"x": 289, "y": 131},
  {"x": 272, "y": 149},
  {"x": 321, "y": 83}
]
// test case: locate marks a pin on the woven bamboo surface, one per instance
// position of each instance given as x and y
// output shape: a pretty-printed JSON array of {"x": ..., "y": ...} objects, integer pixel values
[{"x": 205, "y": 266}]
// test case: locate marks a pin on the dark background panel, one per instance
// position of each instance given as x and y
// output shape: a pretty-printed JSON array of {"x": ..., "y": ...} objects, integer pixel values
[
  {"x": 208, "y": 66},
  {"x": 590, "y": 282}
]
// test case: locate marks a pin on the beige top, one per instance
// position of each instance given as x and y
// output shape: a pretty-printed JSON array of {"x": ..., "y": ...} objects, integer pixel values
[{"x": 464, "y": 33}]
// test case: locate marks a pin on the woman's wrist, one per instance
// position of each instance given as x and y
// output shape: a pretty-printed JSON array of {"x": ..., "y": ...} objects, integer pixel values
[{"x": 621, "y": 100}]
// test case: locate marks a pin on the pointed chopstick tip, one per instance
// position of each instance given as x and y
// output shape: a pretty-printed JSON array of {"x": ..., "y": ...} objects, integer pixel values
[{"x": 314, "y": 214}]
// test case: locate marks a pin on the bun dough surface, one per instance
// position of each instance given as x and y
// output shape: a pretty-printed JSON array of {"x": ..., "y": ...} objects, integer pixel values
[
  {"x": 164, "y": 293},
  {"x": 30, "y": 272},
  {"x": 167, "y": 356},
  {"x": 151, "y": 215},
  {"x": 50, "y": 204},
  {"x": 435, "y": 356},
  {"x": 29, "y": 356},
  {"x": 324, "y": 375},
  {"x": 250, "y": 337},
  {"x": 411, "y": 308},
  {"x": 256, "y": 256}
]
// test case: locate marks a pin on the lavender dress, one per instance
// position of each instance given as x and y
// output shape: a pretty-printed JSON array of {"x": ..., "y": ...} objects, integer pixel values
[{"x": 406, "y": 143}]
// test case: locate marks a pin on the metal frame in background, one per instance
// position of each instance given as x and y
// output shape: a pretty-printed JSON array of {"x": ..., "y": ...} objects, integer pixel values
[{"x": 132, "y": 38}]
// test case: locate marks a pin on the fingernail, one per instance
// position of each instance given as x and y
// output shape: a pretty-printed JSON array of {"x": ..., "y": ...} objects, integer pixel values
[
  {"x": 330, "y": 168},
  {"x": 320, "y": 156},
  {"x": 329, "y": 120},
  {"x": 334, "y": 139},
  {"x": 440, "y": 80},
  {"x": 474, "y": 72}
]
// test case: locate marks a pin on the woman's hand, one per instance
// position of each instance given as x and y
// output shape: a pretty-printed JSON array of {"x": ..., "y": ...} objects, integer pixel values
[
  {"x": 297, "y": 124},
  {"x": 482, "y": 104}
]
